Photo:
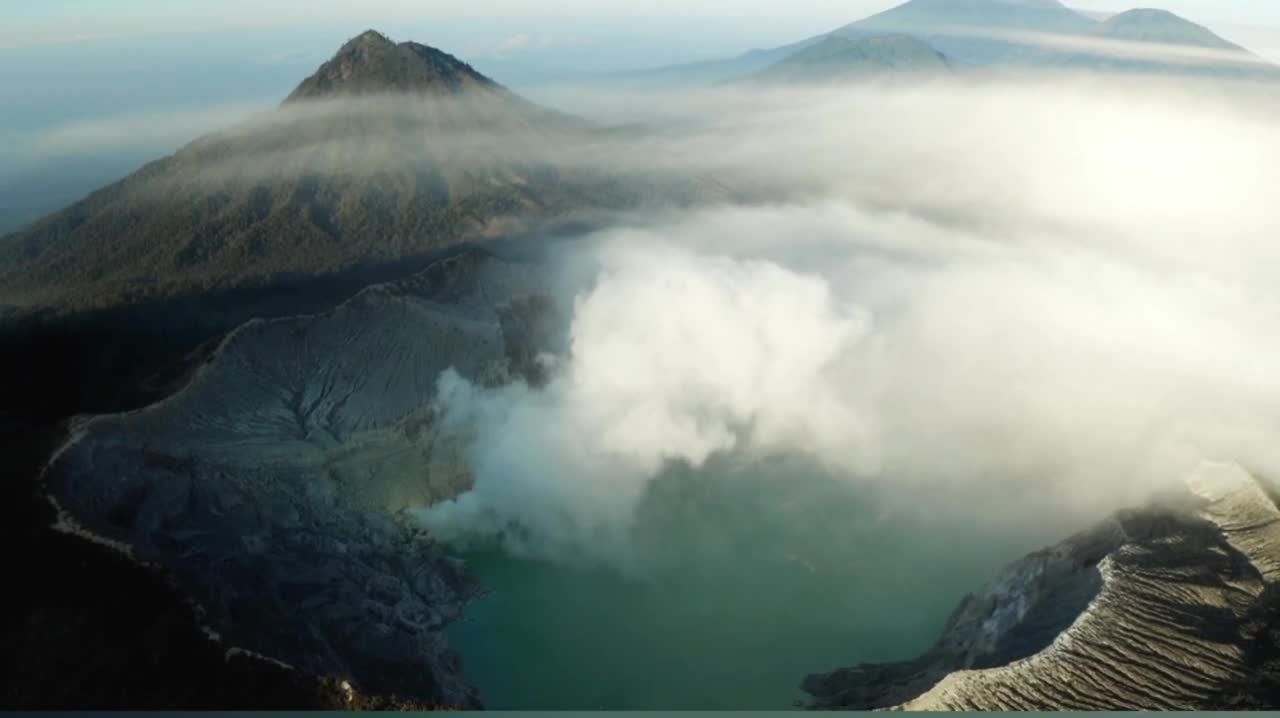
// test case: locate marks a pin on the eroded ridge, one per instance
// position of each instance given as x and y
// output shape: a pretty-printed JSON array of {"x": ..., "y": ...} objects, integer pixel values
[{"x": 1149, "y": 610}]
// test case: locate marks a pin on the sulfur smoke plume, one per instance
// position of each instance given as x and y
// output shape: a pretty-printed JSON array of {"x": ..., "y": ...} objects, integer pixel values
[{"x": 1056, "y": 295}]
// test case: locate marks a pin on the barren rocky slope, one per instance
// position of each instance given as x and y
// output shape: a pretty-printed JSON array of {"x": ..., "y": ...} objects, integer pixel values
[{"x": 273, "y": 486}]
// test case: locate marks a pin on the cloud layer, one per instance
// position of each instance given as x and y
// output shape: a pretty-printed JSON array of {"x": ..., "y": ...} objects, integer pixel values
[{"x": 1056, "y": 295}]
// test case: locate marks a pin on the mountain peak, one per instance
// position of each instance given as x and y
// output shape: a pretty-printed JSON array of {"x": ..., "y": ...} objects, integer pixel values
[
  {"x": 940, "y": 16},
  {"x": 1147, "y": 14},
  {"x": 370, "y": 63},
  {"x": 1161, "y": 26},
  {"x": 369, "y": 38},
  {"x": 1053, "y": 4}
]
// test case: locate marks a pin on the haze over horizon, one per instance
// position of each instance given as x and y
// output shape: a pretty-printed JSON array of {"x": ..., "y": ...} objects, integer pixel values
[
  {"x": 61, "y": 21},
  {"x": 93, "y": 92}
]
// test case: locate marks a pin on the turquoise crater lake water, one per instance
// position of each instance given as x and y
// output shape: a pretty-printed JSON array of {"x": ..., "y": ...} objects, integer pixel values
[{"x": 755, "y": 578}]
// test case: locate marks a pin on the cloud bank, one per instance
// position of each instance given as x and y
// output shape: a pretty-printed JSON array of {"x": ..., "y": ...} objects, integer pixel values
[{"x": 1059, "y": 295}]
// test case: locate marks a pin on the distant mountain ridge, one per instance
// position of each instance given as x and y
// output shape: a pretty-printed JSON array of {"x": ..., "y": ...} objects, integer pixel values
[
  {"x": 1161, "y": 27},
  {"x": 842, "y": 58},
  {"x": 1158, "y": 41},
  {"x": 999, "y": 33}
]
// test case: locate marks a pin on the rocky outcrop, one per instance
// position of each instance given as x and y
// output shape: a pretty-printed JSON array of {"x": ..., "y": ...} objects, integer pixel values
[
  {"x": 1154, "y": 609},
  {"x": 273, "y": 486},
  {"x": 370, "y": 63}
]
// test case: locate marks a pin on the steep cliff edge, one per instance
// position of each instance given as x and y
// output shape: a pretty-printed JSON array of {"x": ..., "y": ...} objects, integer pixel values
[
  {"x": 1154, "y": 609},
  {"x": 273, "y": 486}
]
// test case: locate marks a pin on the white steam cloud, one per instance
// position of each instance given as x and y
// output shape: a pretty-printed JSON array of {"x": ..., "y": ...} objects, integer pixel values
[
  {"x": 1061, "y": 292},
  {"x": 1061, "y": 376}
]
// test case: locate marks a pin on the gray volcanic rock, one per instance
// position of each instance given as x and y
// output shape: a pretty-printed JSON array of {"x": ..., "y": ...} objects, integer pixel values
[
  {"x": 371, "y": 64},
  {"x": 273, "y": 486},
  {"x": 1149, "y": 610}
]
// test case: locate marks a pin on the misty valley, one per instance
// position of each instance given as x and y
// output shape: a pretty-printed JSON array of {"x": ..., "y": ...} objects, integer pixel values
[{"x": 921, "y": 364}]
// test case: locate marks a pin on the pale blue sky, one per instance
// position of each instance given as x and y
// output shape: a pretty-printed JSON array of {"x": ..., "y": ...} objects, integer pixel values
[{"x": 28, "y": 22}]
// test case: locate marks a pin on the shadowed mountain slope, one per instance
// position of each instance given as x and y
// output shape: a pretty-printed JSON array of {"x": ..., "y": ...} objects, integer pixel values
[{"x": 388, "y": 153}]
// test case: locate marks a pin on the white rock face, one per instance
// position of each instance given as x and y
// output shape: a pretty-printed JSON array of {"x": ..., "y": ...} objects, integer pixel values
[
  {"x": 1150, "y": 610},
  {"x": 273, "y": 485}
]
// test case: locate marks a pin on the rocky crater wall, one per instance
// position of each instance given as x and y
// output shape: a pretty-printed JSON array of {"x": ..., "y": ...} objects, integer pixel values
[{"x": 274, "y": 485}]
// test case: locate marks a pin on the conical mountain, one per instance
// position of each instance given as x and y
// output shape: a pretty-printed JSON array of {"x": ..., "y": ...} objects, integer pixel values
[
  {"x": 386, "y": 154},
  {"x": 371, "y": 63},
  {"x": 1163, "y": 27}
]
